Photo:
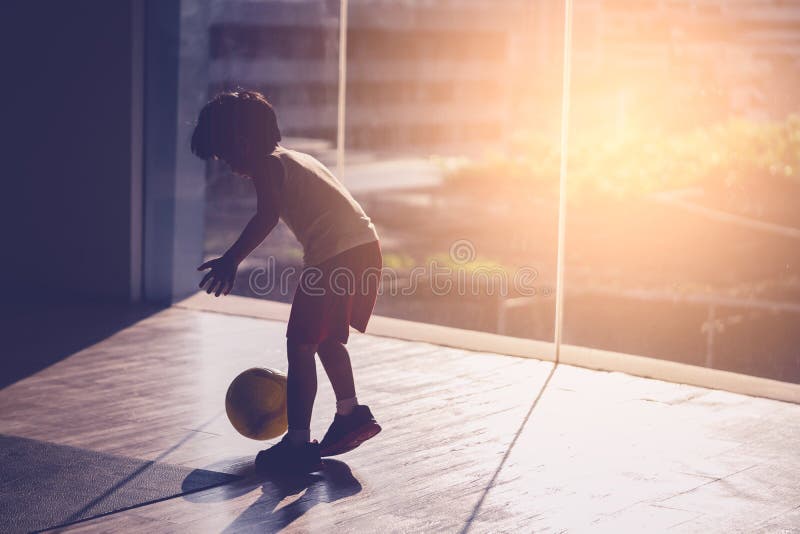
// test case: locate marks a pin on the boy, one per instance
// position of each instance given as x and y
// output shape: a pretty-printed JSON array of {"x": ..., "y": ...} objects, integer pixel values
[{"x": 338, "y": 238}]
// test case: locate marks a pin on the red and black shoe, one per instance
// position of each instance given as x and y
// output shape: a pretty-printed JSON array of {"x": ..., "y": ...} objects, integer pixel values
[
  {"x": 285, "y": 458},
  {"x": 349, "y": 431}
]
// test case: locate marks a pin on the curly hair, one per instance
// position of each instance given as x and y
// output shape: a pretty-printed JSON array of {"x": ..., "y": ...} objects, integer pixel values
[{"x": 231, "y": 116}]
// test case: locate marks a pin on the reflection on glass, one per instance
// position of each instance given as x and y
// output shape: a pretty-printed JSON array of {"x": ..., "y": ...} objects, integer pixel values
[
  {"x": 683, "y": 228},
  {"x": 443, "y": 99}
]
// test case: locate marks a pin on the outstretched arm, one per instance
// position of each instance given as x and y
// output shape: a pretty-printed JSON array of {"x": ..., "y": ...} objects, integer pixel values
[
  {"x": 222, "y": 275},
  {"x": 257, "y": 229}
]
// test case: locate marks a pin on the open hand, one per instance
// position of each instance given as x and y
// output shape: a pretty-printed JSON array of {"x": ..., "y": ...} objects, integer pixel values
[{"x": 221, "y": 276}]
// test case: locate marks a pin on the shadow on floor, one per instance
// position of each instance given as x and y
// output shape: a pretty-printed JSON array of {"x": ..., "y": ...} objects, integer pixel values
[
  {"x": 37, "y": 334},
  {"x": 46, "y": 485},
  {"x": 502, "y": 463},
  {"x": 267, "y": 513}
]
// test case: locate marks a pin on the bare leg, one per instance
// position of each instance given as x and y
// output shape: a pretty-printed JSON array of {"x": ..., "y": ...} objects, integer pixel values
[
  {"x": 354, "y": 423},
  {"x": 336, "y": 361},
  {"x": 301, "y": 384}
]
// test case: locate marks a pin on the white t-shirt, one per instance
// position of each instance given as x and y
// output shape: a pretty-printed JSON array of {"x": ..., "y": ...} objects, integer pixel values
[{"x": 318, "y": 209}]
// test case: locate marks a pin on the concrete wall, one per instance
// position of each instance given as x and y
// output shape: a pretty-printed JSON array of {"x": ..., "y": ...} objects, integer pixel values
[
  {"x": 103, "y": 200},
  {"x": 175, "y": 89},
  {"x": 66, "y": 170}
]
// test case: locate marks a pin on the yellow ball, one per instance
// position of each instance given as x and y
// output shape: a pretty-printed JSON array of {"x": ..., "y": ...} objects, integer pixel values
[{"x": 256, "y": 403}]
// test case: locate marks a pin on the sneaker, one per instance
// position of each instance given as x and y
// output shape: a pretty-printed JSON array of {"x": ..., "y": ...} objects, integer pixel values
[
  {"x": 285, "y": 458},
  {"x": 349, "y": 431}
]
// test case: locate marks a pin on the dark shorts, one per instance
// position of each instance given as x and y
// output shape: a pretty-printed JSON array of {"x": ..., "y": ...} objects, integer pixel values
[{"x": 335, "y": 295}]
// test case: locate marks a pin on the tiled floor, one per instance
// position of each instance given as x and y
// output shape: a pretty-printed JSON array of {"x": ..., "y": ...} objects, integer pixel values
[{"x": 472, "y": 441}]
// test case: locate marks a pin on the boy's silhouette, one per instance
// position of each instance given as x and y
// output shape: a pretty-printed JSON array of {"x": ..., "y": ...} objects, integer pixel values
[{"x": 339, "y": 282}]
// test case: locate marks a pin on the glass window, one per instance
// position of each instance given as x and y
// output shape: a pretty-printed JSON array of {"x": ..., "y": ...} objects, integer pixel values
[
  {"x": 683, "y": 229},
  {"x": 452, "y": 130}
]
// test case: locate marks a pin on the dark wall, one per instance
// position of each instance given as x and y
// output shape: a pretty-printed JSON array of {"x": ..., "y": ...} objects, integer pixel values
[{"x": 66, "y": 169}]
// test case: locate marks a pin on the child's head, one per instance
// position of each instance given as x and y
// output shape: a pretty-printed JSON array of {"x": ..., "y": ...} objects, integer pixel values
[{"x": 238, "y": 127}]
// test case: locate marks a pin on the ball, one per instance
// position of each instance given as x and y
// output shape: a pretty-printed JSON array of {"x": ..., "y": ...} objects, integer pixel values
[{"x": 256, "y": 403}]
